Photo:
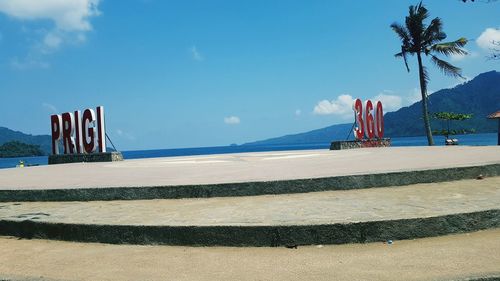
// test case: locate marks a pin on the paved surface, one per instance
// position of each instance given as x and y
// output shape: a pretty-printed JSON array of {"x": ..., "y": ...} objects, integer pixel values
[
  {"x": 244, "y": 167},
  {"x": 453, "y": 257},
  {"x": 412, "y": 201}
]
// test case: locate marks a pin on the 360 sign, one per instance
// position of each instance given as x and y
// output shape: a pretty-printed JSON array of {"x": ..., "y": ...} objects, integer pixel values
[{"x": 369, "y": 120}]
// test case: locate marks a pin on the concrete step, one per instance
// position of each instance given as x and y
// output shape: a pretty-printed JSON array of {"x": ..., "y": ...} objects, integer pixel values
[
  {"x": 470, "y": 256},
  {"x": 329, "y": 217},
  {"x": 247, "y": 174}
]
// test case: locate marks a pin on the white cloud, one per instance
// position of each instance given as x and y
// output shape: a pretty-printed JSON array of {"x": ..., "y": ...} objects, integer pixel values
[
  {"x": 195, "y": 54},
  {"x": 120, "y": 133},
  {"x": 486, "y": 38},
  {"x": 68, "y": 15},
  {"x": 455, "y": 57},
  {"x": 28, "y": 63},
  {"x": 414, "y": 96},
  {"x": 81, "y": 37},
  {"x": 232, "y": 120},
  {"x": 52, "y": 40},
  {"x": 50, "y": 108},
  {"x": 298, "y": 112},
  {"x": 342, "y": 106},
  {"x": 70, "y": 18},
  {"x": 389, "y": 102}
]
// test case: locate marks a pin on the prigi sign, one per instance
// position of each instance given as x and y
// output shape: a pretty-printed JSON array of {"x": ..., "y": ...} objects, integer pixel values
[
  {"x": 80, "y": 133},
  {"x": 368, "y": 124}
]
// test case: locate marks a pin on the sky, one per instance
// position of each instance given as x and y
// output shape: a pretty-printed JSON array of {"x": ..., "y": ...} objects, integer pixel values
[{"x": 174, "y": 74}]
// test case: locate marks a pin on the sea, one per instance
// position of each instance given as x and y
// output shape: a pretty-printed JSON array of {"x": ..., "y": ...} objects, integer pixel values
[{"x": 470, "y": 139}]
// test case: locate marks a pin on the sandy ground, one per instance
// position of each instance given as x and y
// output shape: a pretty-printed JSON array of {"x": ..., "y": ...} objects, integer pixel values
[
  {"x": 453, "y": 257},
  {"x": 244, "y": 167}
]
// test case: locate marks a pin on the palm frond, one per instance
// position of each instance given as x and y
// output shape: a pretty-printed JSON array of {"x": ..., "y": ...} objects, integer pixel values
[
  {"x": 402, "y": 32},
  {"x": 433, "y": 33},
  {"x": 422, "y": 11},
  {"x": 446, "y": 67},
  {"x": 435, "y": 27},
  {"x": 419, "y": 10},
  {"x": 404, "y": 55},
  {"x": 450, "y": 48},
  {"x": 415, "y": 24}
]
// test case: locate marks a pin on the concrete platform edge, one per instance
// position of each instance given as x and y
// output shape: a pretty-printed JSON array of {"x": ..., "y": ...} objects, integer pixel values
[
  {"x": 252, "y": 188},
  {"x": 78, "y": 158},
  {"x": 256, "y": 236},
  {"x": 492, "y": 277}
]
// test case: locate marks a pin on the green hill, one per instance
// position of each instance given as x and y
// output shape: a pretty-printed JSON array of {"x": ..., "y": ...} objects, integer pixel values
[
  {"x": 19, "y": 149},
  {"x": 479, "y": 96},
  {"x": 44, "y": 141}
]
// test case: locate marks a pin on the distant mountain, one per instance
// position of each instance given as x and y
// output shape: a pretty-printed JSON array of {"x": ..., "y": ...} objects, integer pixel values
[
  {"x": 44, "y": 141},
  {"x": 323, "y": 135},
  {"x": 479, "y": 96}
]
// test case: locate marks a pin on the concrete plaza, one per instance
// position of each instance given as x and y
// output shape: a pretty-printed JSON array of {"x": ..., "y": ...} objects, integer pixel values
[{"x": 245, "y": 167}]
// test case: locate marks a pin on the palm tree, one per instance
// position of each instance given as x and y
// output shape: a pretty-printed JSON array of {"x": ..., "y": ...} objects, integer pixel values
[{"x": 418, "y": 39}]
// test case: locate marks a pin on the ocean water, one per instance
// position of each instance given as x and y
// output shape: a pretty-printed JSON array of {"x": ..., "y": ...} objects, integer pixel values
[{"x": 471, "y": 139}]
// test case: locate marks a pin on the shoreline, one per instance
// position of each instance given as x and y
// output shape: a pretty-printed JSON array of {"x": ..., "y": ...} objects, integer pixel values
[{"x": 488, "y": 139}]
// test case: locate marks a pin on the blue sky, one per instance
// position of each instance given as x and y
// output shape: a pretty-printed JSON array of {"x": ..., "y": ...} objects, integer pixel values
[{"x": 205, "y": 73}]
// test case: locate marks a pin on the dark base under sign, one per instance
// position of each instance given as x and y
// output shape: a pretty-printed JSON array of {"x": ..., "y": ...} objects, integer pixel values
[
  {"x": 78, "y": 158},
  {"x": 340, "y": 145}
]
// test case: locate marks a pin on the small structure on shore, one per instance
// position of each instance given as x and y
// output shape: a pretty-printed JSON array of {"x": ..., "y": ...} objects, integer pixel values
[{"x": 496, "y": 115}]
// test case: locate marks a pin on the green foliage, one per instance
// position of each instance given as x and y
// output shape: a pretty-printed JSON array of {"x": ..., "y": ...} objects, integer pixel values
[
  {"x": 452, "y": 116},
  {"x": 448, "y": 117},
  {"x": 19, "y": 149}
]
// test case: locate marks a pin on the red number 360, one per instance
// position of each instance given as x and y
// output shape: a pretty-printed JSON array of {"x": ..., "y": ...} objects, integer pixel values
[{"x": 367, "y": 124}]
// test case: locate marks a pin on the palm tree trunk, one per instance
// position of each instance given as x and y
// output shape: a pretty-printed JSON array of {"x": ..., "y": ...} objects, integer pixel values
[{"x": 425, "y": 110}]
